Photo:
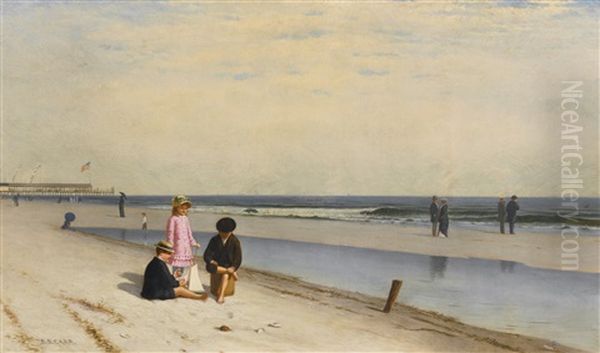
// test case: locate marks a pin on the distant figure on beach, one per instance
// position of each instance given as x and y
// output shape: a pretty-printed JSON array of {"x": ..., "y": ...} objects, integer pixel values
[
  {"x": 179, "y": 233},
  {"x": 511, "y": 211},
  {"x": 223, "y": 255},
  {"x": 159, "y": 283},
  {"x": 122, "y": 199},
  {"x": 69, "y": 218},
  {"x": 443, "y": 218},
  {"x": 501, "y": 214},
  {"x": 433, "y": 211},
  {"x": 16, "y": 200},
  {"x": 144, "y": 221}
]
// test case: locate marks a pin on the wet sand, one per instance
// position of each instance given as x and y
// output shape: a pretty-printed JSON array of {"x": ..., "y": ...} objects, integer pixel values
[{"x": 530, "y": 248}]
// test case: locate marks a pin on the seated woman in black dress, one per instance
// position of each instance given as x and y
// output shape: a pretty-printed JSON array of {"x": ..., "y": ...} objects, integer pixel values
[
  {"x": 223, "y": 255},
  {"x": 159, "y": 283}
]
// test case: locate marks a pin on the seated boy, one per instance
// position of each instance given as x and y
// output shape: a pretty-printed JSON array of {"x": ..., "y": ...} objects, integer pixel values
[
  {"x": 223, "y": 255},
  {"x": 159, "y": 283}
]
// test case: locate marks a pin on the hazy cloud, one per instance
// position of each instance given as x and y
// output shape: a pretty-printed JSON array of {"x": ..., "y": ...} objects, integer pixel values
[
  {"x": 315, "y": 33},
  {"x": 320, "y": 92},
  {"x": 243, "y": 76},
  {"x": 314, "y": 13},
  {"x": 370, "y": 72},
  {"x": 237, "y": 76}
]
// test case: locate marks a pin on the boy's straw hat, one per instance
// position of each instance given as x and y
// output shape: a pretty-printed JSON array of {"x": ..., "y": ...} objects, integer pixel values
[
  {"x": 180, "y": 200},
  {"x": 165, "y": 246}
]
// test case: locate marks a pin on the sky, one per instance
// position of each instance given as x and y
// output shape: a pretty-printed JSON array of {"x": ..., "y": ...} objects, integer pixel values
[{"x": 297, "y": 98}]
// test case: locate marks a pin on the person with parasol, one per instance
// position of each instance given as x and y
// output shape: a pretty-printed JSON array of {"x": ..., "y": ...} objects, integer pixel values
[{"x": 122, "y": 199}]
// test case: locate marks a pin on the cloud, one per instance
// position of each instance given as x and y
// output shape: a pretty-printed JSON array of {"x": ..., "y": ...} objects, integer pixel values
[
  {"x": 590, "y": 6},
  {"x": 404, "y": 36},
  {"x": 395, "y": 33},
  {"x": 315, "y": 33},
  {"x": 425, "y": 76},
  {"x": 237, "y": 76},
  {"x": 519, "y": 4},
  {"x": 370, "y": 72},
  {"x": 242, "y": 76},
  {"x": 320, "y": 92},
  {"x": 313, "y": 13},
  {"x": 231, "y": 18},
  {"x": 113, "y": 47},
  {"x": 377, "y": 55}
]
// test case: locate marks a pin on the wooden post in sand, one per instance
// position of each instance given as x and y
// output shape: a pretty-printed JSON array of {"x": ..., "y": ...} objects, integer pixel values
[{"x": 396, "y": 284}]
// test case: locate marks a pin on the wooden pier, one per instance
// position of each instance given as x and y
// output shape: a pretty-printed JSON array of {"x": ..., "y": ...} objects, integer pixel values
[{"x": 53, "y": 189}]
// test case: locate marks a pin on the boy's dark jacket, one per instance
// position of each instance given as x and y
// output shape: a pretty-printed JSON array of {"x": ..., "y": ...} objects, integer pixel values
[{"x": 227, "y": 255}]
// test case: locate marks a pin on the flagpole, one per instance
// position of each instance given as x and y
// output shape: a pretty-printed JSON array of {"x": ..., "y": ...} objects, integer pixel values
[{"x": 86, "y": 168}]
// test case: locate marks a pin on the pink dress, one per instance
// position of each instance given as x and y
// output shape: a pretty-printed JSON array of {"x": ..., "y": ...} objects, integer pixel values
[{"x": 179, "y": 233}]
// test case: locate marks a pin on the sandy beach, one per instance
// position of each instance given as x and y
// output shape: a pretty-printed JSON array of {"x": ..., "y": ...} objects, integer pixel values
[
  {"x": 333, "y": 133},
  {"x": 73, "y": 292}
]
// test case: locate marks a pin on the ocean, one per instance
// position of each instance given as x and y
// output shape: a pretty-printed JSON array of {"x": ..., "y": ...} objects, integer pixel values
[{"x": 536, "y": 214}]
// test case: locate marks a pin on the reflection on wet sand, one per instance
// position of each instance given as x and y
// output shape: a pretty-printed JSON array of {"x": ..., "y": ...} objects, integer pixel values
[
  {"x": 507, "y": 266},
  {"x": 437, "y": 266}
]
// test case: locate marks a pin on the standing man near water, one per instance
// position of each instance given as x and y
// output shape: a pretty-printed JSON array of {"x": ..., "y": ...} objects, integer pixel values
[
  {"x": 511, "y": 210},
  {"x": 144, "y": 221},
  {"x": 443, "y": 218},
  {"x": 501, "y": 214},
  {"x": 122, "y": 199},
  {"x": 433, "y": 211}
]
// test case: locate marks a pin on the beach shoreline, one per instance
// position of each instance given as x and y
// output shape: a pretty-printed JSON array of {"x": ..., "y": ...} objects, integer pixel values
[
  {"x": 86, "y": 283},
  {"x": 534, "y": 249}
]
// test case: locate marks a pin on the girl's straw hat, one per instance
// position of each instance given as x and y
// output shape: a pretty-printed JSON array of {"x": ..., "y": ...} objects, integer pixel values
[{"x": 180, "y": 200}]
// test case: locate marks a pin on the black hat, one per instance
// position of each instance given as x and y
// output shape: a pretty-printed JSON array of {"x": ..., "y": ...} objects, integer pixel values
[
  {"x": 513, "y": 197},
  {"x": 226, "y": 225}
]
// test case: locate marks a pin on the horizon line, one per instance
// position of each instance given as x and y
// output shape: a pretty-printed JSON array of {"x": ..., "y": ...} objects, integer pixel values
[{"x": 351, "y": 195}]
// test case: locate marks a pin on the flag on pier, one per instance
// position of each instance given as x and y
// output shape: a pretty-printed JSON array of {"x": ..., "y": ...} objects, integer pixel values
[
  {"x": 86, "y": 166},
  {"x": 34, "y": 172}
]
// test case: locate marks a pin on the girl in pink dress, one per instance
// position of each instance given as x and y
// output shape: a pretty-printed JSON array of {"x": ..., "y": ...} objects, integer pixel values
[{"x": 179, "y": 233}]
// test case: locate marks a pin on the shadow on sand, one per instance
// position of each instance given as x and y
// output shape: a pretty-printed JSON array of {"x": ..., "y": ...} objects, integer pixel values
[{"x": 134, "y": 286}]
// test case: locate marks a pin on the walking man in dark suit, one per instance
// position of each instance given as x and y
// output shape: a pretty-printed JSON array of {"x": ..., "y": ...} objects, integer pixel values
[
  {"x": 122, "y": 199},
  {"x": 433, "y": 211},
  {"x": 511, "y": 211},
  {"x": 501, "y": 213},
  {"x": 443, "y": 219}
]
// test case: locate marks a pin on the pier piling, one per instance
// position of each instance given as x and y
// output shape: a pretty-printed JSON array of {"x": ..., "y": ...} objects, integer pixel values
[{"x": 394, "y": 290}]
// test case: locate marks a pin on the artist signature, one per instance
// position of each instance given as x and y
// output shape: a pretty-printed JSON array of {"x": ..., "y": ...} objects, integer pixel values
[{"x": 55, "y": 341}]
